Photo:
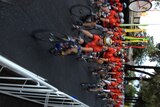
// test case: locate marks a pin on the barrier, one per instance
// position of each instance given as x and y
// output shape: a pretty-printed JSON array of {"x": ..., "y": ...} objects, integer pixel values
[{"x": 22, "y": 83}]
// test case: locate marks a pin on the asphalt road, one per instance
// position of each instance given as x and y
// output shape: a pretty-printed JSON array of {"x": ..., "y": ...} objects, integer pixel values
[{"x": 19, "y": 19}]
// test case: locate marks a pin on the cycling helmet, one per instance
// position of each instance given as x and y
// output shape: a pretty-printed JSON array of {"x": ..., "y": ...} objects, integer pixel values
[
  {"x": 107, "y": 41},
  {"x": 106, "y": 4}
]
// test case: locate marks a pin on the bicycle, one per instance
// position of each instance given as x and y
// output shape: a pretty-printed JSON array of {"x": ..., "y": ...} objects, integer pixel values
[
  {"x": 80, "y": 10},
  {"x": 60, "y": 42},
  {"x": 83, "y": 13},
  {"x": 140, "y": 5}
]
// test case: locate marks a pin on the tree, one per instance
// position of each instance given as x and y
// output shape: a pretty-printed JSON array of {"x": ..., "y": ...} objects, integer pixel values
[
  {"x": 150, "y": 92},
  {"x": 130, "y": 92},
  {"x": 139, "y": 55},
  {"x": 155, "y": 56}
]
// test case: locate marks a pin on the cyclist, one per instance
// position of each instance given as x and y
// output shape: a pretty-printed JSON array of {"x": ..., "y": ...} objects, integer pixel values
[
  {"x": 96, "y": 45},
  {"x": 114, "y": 19}
]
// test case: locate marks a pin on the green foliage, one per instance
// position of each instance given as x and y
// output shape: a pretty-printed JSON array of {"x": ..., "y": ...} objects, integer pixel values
[
  {"x": 130, "y": 73},
  {"x": 151, "y": 51},
  {"x": 139, "y": 55},
  {"x": 130, "y": 90},
  {"x": 128, "y": 104},
  {"x": 155, "y": 56},
  {"x": 150, "y": 92}
]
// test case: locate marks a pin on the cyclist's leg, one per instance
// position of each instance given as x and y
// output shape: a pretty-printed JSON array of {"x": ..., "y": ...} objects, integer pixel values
[
  {"x": 96, "y": 89},
  {"x": 70, "y": 51},
  {"x": 87, "y": 33},
  {"x": 89, "y": 24},
  {"x": 80, "y": 41},
  {"x": 87, "y": 49},
  {"x": 99, "y": 61},
  {"x": 101, "y": 73},
  {"x": 100, "y": 27},
  {"x": 104, "y": 20}
]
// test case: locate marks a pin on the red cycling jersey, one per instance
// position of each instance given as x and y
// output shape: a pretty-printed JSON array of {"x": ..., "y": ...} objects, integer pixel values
[{"x": 95, "y": 44}]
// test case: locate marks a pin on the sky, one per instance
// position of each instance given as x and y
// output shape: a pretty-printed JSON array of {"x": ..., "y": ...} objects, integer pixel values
[{"x": 152, "y": 18}]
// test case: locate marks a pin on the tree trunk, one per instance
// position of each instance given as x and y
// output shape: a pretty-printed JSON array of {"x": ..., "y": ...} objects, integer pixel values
[
  {"x": 136, "y": 78},
  {"x": 147, "y": 67},
  {"x": 157, "y": 69},
  {"x": 131, "y": 69}
]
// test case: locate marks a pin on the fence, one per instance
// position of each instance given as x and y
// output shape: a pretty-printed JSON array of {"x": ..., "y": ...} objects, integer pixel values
[{"x": 21, "y": 83}]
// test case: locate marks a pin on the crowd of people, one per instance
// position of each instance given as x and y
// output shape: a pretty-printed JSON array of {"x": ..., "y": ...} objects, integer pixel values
[{"x": 110, "y": 54}]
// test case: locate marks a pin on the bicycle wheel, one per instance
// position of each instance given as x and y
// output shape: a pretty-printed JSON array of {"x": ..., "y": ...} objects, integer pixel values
[
  {"x": 140, "y": 6},
  {"x": 80, "y": 10}
]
